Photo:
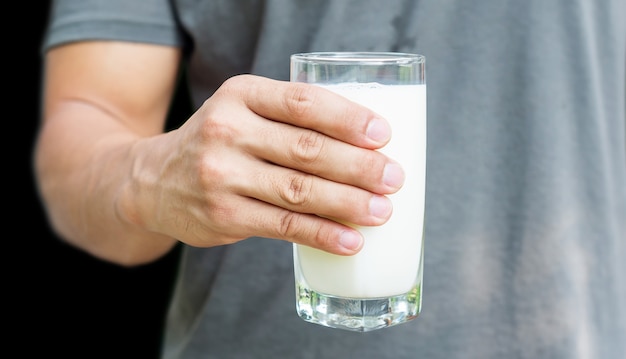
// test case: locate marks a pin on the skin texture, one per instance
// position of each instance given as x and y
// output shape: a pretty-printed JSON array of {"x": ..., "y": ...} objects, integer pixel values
[{"x": 259, "y": 158}]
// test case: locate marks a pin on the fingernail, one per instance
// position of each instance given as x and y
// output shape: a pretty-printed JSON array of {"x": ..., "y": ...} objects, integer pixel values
[
  {"x": 380, "y": 207},
  {"x": 350, "y": 240},
  {"x": 393, "y": 175},
  {"x": 378, "y": 130}
]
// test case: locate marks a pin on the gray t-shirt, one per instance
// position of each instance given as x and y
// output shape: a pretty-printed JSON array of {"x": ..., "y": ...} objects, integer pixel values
[{"x": 525, "y": 239}]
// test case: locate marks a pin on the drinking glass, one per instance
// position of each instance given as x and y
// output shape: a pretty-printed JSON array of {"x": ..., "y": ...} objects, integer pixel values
[{"x": 381, "y": 286}]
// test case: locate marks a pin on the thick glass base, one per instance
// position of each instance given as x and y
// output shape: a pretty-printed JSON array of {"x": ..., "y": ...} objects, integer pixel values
[{"x": 359, "y": 315}]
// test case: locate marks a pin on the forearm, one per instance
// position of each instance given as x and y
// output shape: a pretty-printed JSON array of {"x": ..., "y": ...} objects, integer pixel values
[{"x": 84, "y": 177}]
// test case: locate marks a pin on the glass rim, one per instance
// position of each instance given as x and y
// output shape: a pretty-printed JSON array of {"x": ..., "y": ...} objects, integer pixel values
[{"x": 354, "y": 57}]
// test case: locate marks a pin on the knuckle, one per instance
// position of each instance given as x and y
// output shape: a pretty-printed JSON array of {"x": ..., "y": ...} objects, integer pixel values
[
  {"x": 297, "y": 192},
  {"x": 234, "y": 83},
  {"x": 299, "y": 100},
  {"x": 322, "y": 240},
  {"x": 211, "y": 172},
  {"x": 308, "y": 147},
  {"x": 216, "y": 127},
  {"x": 292, "y": 226},
  {"x": 232, "y": 89},
  {"x": 289, "y": 224},
  {"x": 220, "y": 214}
]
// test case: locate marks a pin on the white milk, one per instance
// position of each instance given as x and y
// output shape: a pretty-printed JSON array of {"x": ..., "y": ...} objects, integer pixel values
[{"x": 389, "y": 262}]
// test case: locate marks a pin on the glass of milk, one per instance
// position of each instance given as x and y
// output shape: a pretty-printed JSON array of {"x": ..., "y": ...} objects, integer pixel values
[{"x": 381, "y": 286}]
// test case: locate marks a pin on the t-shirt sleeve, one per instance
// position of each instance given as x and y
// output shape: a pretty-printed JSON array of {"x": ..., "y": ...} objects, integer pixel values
[{"x": 149, "y": 21}]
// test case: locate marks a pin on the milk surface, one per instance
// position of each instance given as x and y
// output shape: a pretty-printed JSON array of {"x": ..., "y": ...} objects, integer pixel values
[{"x": 388, "y": 264}]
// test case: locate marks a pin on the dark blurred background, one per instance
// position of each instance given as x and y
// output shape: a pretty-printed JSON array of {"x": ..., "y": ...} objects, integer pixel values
[{"x": 60, "y": 301}]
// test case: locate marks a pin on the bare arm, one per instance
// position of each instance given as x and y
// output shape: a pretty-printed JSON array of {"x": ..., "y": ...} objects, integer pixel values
[
  {"x": 99, "y": 100},
  {"x": 259, "y": 158}
]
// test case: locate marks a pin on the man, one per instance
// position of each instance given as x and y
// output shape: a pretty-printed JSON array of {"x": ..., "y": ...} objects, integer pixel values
[{"x": 525, "y": 180}]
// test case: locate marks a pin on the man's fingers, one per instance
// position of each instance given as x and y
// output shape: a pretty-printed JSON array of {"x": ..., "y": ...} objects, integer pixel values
[
  {"x": 315, "y": 153},
  {"x": 313, "y": 107},
  {"x": 265, "y": 220},
  {"x": 300, "y": 192}
]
